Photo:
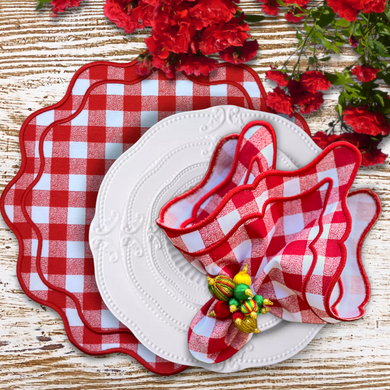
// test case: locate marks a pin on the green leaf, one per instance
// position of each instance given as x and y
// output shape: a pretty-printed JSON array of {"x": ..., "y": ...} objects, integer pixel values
[
  {"x": 387, "y": 78},
  {"x": 343, "y": 100},
  {"x": 383, "y": 29},
  {"x": 254, "y": 18},
  {"x": 339, "y": 37},
  {"x": 343, "y": 23},
  {"x": 333, "y": 78},
  {"x": 325, "y": 58},
  {"x": 339, "y": 109},
  {"x": 326, "y": 18},
  {"x": 299, "y": 36},
  {"x": 380, "y": 76},
  {"x": 387, "y": 10},
  {"x": 377, "y": 47},
  {"x": 378, "y": 98},
  {"x": 41, "y": 3},
  {"x": 385, "y": 40},
  {"x": 358, "y": 30}
]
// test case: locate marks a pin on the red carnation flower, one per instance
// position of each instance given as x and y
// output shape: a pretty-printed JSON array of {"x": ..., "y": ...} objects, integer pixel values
[
  {"x": 365, "y": 73},
  {"x": 270, "y": 7},
  {"x": 197, "y": 65},
  {"x": 213, "y": 11},
  {"x": 314, "y": 81},
  {"x": 299, "y": 3},
  {"x": 62, "y": 5},
  {"x": 373, "y": 156},
  {"x": 280, "y": 102},
  {"x": 176, "y": 35},
  {"x": 167, "y": 67},
  {"x": 240, "y": 54},
  {"x": 323, "y": 140},
  {"x": 299, "y": 95},
  {"x": 307, "y": 102},
  {"x": 366, "y": 122},
  {"x": 277, "y": 77},
  {"x": 347, "y": 9},
  {"x": 157, "y": 48},
  {"x": 217, "y": 38},
  {"x": 353, "y": 42},
  {"x": 368, "y": 147},
  {"x": 127, "y": 15},
  {"x": 377, "y": 6},
  {"x": 144, "y": 65},
  {"x": 291, "y": 16},
  {"x": 313, "y": 105}
]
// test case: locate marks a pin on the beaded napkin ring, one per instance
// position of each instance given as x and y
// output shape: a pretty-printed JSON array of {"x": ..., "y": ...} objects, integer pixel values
[{"x": 234, "y": 294}]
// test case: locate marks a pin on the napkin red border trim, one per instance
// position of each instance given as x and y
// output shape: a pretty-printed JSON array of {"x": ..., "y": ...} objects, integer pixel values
[
  {"x": 206, "y": 178},
  {"x": 211, "y": 167},
  {"x": 341, "y": 242},
  {"x": 250, "y": 187},
  {"x": 363, "y": 236}
]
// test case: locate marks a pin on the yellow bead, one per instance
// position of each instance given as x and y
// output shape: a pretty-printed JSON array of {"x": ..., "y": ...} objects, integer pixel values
[
  {"x": 249, "y": 292},
  {"x": 242, "y": 277},
  {"x": 247, "y": 325},
  {"x": 233, "y": 308},
  {"x": 253, "y": 315},
  {"x": 211, "y": 314},
  {"x": 267, "y": 302}
]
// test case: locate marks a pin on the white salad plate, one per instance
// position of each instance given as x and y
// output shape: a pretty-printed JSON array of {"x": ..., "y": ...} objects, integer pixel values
[{"x": 145, "y": 282}]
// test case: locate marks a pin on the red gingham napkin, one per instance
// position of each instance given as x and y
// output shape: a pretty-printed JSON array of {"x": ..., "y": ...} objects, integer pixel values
[
  {"x": 66, "y": 150},
  {"x": 299, "y": 232}
]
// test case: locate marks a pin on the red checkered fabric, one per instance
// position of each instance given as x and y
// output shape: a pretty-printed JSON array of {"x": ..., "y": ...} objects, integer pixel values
[
  {"x": 293, "y": 229},
  {"x": 66, "y": 150}
]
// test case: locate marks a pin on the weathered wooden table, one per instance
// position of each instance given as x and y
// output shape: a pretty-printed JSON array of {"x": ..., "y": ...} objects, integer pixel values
[{"x": 38, "y": 56}]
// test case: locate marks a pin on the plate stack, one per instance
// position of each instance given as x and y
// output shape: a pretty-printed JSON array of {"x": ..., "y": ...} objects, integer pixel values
[{"x": 142, "y": 141}]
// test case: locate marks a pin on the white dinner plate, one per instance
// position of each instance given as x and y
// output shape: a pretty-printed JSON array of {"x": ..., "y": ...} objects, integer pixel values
[{"x": 143, "y": 279}]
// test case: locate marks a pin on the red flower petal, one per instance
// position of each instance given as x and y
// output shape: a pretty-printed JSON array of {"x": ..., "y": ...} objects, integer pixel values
[
  {"x": 365, "y": 73},
  {"x": 240, "y": 54},
  {"x": 366, "y": 122},
  {"x": 314, "y": 81},
  {"x": 280, "y": 102}
]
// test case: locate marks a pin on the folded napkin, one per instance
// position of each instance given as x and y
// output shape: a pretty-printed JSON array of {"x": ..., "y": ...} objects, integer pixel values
[{"x": 298, "y": 233}]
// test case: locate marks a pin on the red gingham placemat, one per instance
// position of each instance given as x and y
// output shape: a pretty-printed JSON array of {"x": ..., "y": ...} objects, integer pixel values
[{"x": 109, "y": 107}]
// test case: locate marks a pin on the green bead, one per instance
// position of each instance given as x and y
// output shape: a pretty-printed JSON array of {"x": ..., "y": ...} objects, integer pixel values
[
  {"x": 239, "y": 291},
  {"x": 234, "y": 301},
  {"x": 258, "y": 299}
]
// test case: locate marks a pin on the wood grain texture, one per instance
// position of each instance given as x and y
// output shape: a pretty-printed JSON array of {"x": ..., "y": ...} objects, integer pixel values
[{"x": 38, "y": 56}]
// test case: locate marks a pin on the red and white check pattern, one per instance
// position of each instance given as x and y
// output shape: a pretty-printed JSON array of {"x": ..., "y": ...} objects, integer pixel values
[
  {"x": 290, "y": 228},
  {"x": 51, "y": 216},
  {"x": 211, "y": 340}
]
